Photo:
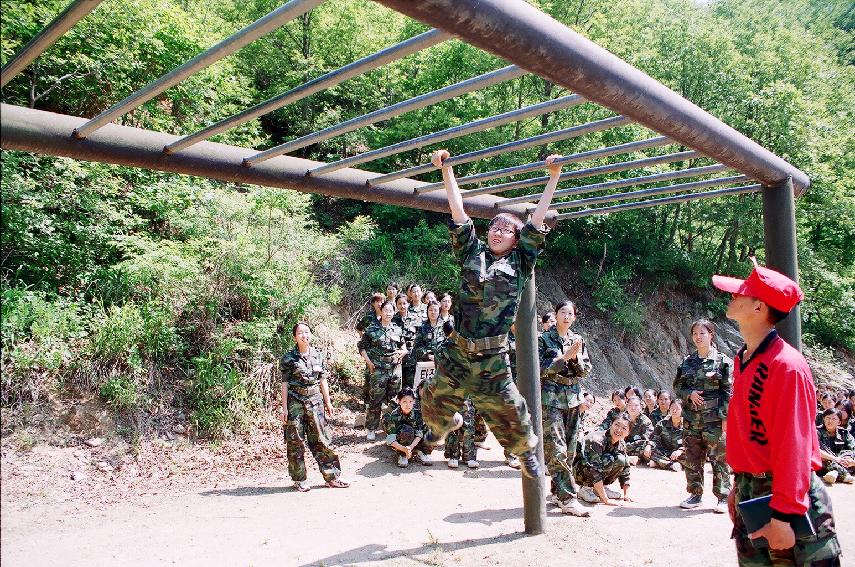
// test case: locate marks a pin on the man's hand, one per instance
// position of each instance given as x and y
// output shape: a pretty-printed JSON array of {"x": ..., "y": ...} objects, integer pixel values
[
  {"x": 779, "y": 534},
  {"x": 328, "y": 410},
  {"x": 284, "y": 418},
  {"x": 553, "y": 168},
  {"x": 371, "y": 366},
  {"x": 676, "y": 454},
  {"x": 697, "y": 398},
  {"x": 438, "y": 157},
  {"x": 575, "y": 349}
]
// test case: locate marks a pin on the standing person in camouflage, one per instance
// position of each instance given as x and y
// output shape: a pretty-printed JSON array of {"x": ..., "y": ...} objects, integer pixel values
[
  {"x": 405, "y": 430},
  {"x": 445, "y": 315},
  {"x": 668, "y": 439},
  {"x": 837, "y": 449},
  {"x": 382, "y": 347},
  {"x": 409, "y": 322},
  {"x": 430, "y": 336},
  {"x": 475, "y": 360},
  {"x": 639, "y": 445},
  {"x": 417, "y": 306},
  {"x": 392, "y": 291},
  {"x": 564, "y": 362},
  {"x": 305, "y": 407},
  {"x": 600, "y": 460},
  {"x": 371, "y": 316},
  {"x": 704, "y": 384},
  {"x": 547, "y": 321},
  {"x": 771, "y": 444},
  {"x": 460, "y": 443}
]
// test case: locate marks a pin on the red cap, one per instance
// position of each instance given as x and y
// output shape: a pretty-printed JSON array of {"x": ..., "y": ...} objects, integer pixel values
[{"x": 773, "y": 288}]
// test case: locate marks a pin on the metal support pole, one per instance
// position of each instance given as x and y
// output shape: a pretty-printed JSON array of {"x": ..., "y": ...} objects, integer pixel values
[
  {"x": 367, "y": 63},
  {"x": 779, "y": 232},
  {"x": 528, "y": 382},
  {"x": 75, "y": 12},
  {"x": 247, "y": 35}
]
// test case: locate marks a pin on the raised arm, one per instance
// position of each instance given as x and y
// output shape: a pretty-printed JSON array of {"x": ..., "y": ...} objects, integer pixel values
[
  {"x": 546, "y": 198},
  {"x": 455, "y": 200}
]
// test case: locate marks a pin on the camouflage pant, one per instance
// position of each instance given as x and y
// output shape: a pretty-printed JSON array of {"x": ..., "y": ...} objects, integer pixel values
[
  {"x": 587, "y": 475},
  {"x": 636, "y": 449},
  {"x": 828, "y": 466},
  {"x": 822, "y": 551},
  {"x": 480, "y": 428},
  {"x": 698, "y": 449},
  {"x": 560, "y": 430},
  {"x": 308, "y": 426},
  {"x": 462, "y": 442},
  {"x": 385, "y": 385},
  {"x": 486, "y": 379}
]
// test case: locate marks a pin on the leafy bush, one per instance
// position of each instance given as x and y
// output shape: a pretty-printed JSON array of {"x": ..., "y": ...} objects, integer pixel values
[{"x": 121, "y": 392}]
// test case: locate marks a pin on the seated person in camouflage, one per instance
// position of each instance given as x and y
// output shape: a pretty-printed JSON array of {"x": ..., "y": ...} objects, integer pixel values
[
  {"x": 668, "y": 439},
  {"x": 547, "y": 321},
  {"x": 632, "y": 392},
  {"x": 619, "y": 401},
  {"x": 601, "y": 459},
  {"x": 475, "y": 360},
  {"x": 409, "y": 321},
  {"x": 663, "y": 406},
  {"x": 382, "y": 348},
  {"x": 649, "y": 405},
  {"x": 837, "y": 450},
  {"x": 826, "y": 402},
  {"x": 639, "y": 445},
  {"x": 304, "y": 390},
  {"x": 564, "y": 362},
  {"x": 405, "y": 430},
  {"x": 704, "y": 384}
]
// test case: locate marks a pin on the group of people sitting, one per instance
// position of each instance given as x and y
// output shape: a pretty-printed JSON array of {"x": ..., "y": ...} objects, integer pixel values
[{"x": 836, "y": 431}]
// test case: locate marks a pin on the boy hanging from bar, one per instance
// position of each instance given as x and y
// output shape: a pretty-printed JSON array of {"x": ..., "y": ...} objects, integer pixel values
[{"x": 474, "y": 361}]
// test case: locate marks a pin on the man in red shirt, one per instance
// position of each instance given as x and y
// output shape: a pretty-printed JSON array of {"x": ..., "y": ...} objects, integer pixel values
[{"x": 772, "y": 445}]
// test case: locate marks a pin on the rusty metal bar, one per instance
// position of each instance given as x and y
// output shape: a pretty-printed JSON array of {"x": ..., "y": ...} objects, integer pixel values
[
  {"x": 522, "y": 34},
  {"x": 455, "y": 132},
  {"x": 382, "y": 57},
  {"x": 661, "y": 201},
  {"x": 582, "y": 173},
  {"x": 75, "y": 12},
  {"x": 565, "y": 134},
  {"x": 250, "y": 33},
  {"x": 43, "y": 132},
  {"x": 534, "y": 166}
]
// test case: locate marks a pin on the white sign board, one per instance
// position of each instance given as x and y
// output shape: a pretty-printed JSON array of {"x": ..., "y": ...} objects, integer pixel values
[{"x": 424, "y": 371}]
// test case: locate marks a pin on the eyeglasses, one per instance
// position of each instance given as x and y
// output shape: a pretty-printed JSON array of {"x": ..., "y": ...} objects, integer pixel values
[{"x": 503, "y": 230}]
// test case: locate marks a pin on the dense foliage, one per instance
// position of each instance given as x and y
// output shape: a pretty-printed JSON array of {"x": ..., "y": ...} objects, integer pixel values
[{"x": 135, "y": 284}]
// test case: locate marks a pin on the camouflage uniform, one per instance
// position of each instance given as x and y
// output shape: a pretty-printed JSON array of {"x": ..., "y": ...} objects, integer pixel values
[
  {"x": 380, "y": 343},
  {"x": 704, "y": 436},
  {"x": 657, "y": 415},
  {"x": 667, "y": 438},
  {"x": 461, "y": 443},
  {"x": 306, "y": 422},
  {"x": 610, "y": 417},
  {"x": 841, "y": 444},
  {"x": 488, "y": 298},
  {"x": 368, "y": 318},
  {"x": 396, "y": 421},
  {"x": 820, "y": 551},
  {"x": 640, "y": 432},
  {"x": 409, "y": 325},
  {"x": 428, "y": 340},
  {"x": 561, "y": 394},
  {"x": 598, "y": 459},
  {"x": 419, "y": 312}
]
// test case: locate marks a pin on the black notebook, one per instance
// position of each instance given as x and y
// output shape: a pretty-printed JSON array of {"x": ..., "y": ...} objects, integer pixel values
[{"x": 756, "y": 514}]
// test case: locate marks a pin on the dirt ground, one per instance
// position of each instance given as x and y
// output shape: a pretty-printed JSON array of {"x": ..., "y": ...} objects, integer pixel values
[{"x": 175, "y": 503}]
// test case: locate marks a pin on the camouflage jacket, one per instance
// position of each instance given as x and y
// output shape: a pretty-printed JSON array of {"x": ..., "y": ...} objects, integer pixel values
[
  {"x": 490, "y": 286},
  {"x": 640, "y": 432},
  {"x": 712, "y": 375},
  {"x": 380, "y": 343},
  {"x": 656, "y": 415},
  {"x": 610, "y": 417},
  {"x": 393, "y": 421},
  {"x": 302, "y": 373},
  {"x": 835, "y": 444},
  {"x": 409, "y": 327},
  {"x": 597, "y": 451},
  {"x": 420, "y": 313},
  {"x": 428, "y": 340},
  {"x": 667, "y": 437},
  {"x": 559, "y": 384},
  {"x": 367, "y": 319}
]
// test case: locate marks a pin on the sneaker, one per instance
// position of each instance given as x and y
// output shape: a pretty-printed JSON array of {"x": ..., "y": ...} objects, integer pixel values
[
  {"x": 552, "y": 499},
  {"x": 371, "y": 436},
  {"x": 529, "y": 465},
  {"x": 633, "y": 460},
  {"x": 613, "y": 494},
  {"x": 472, "y": 464},
  {"x": 587, "y": 494},
  {"x": 721, "y": 506},
  {"x": 453, "y": 463},
  {"x": 676, "y": 467},
  {"x": 302, "y": 486},
  {"x": 830, "y": 477},
  {"x": 848, "y": 479},
  {"x": 513, "y": 462},
  {"x": 403, "y": 461},
  {"x": 571, "y": 506},
  {"x": 424, "y": 459},
  {"x": 693, "y": 501}
]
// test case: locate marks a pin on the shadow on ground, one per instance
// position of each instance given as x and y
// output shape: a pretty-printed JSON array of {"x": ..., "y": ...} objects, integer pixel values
[{"x": 654, "y": 512}]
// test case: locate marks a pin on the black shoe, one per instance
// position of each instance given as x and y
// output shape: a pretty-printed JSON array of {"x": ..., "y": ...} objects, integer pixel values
[{"x": 529, "y": 465}]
